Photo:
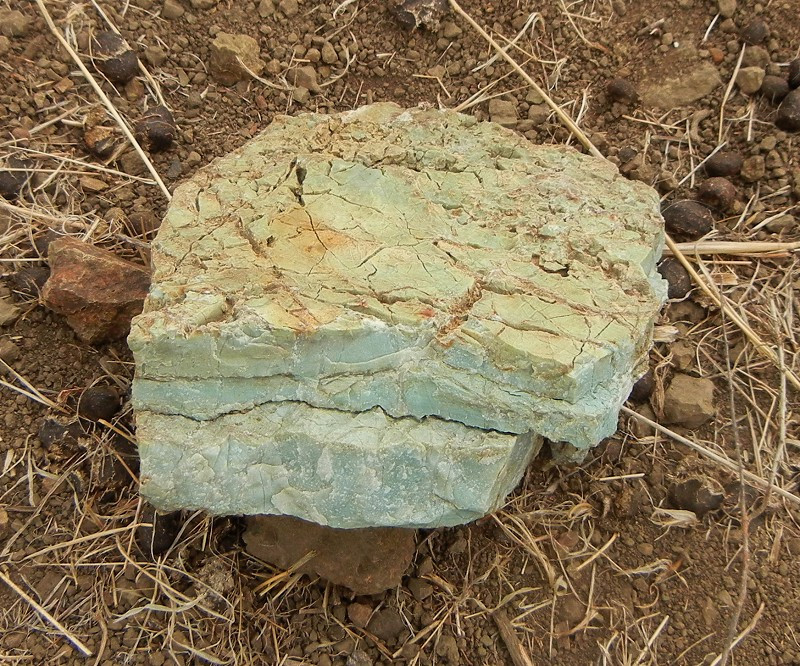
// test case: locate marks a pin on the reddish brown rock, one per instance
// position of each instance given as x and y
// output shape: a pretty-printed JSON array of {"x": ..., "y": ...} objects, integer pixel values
[
  {"x": 367, "y": 561},
  {"x": 95, "y": 290}
]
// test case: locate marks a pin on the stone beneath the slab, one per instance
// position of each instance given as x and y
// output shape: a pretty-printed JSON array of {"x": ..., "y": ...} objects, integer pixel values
[
  {"x": 335, "y": 468},
  {"x": 389, "y": 265},
  {"x": 367, "y": 561}
]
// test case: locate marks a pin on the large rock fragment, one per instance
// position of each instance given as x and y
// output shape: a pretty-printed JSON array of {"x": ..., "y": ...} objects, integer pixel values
[
  {"x": 232, "y": 56},
  {"x": 368, "y": 561},
  {"x": 95, "y": 290},
  {"x": 398, "y": 298}
]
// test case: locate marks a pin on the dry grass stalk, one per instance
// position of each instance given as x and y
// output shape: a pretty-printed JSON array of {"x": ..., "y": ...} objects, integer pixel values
[
  {"x": 519, "y": 656},
  {"x": 736, "y": 248},
  {"x": 47, "y": 616},
  {"x": 104, "y": 98},
  {"x": 563, "y": 117}
]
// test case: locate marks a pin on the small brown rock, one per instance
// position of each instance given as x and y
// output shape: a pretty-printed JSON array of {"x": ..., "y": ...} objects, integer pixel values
[
  {"x": 231, "y": 57},
  {"x": 755, "y": 32},
  {"x": 9, "y": 352},
  {"x": 113, "y": 57},
  {"x": 387, "y": 624},
  {"x": 99, "y": 402},
  {"x": 643, "y": 388},
  {"x": 689, "y": 401},
  {"x": 677, "y": 277},
  {"x": 100, "y": 140},
  {"x": 359, "y": 614},
  {"x": 13, "y": 23},
  {"x": 774, "y": 88},
  {"x": 794, "y": 74},
  {"x": 699, "y": 494},
  {"x": 95, "y": 290},
  {"x": 156, "y": 129},
  {"x": 503, "y": 112},
  {"x": 8, "y": 312},
  {"x": 304, "y": 77},
  {"x": 367, "y": 561},
  {"x": 144, "y": 223},
  {"x": 156, "y": 532},
  {"x": 753, "y": 169},
  {"x": 420, "y": 13},
  {"x": 14, "y": 176},
  {"x": 788, "y": 117},
  {"x": 749, "y": 79},
  {"x": 688, "y": 219},
  {"x": 172, "y": 9},
  {"x": 717, "y": 192},
  {"x": 621, "y": 90},
  {"x": 724, "y": 163}
]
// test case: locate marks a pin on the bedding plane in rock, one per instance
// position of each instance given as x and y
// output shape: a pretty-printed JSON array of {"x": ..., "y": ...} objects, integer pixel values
[{"x": 372, "y": 318}]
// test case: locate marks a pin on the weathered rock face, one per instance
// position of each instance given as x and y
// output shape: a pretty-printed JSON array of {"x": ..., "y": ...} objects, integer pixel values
[
  {"x": 95, "y": 290},
  {"x": 386, "y": 304}
]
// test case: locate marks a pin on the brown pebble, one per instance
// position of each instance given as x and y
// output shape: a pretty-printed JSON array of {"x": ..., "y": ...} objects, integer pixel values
[
  {"x": 697, "y": 494},
  {"x": 157, "y": 532},
  {"x": 621, "y": 90},
  {"x": 774, "y": 88},
  {"x": 724, "y": 163},
  {"x": 717, "y": 192},
  {"x": 100, "y": 141},
  {"x": 99, "y": 402},
  {"x": 419, "y": 13},
  {"x": 157, "y": 129},
  {"x": 794, "y": 73},
  {"x": 755, "y": 32},
  {"x": 643, "y": 388},
  {"x": 113, "y": 57},
  {"x": 677, "y": 277},
  {"x": 687, "y": 219},
  {"x": 788, "y": 117},
  {"x": 14, "y": 177}
]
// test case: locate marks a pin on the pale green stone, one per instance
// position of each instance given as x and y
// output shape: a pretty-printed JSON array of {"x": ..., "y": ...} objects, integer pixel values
[
  {"x": 331, "y": 467},
  {"x": 414, "y": 261}
]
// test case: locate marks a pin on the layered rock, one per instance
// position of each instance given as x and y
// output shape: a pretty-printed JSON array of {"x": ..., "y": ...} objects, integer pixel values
[{"x": 438, "y": 282}]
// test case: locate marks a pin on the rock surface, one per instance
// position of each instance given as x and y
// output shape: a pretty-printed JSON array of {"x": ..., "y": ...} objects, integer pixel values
[
  {"x": 386, "y": 294},
  {"x": 95, "y": 290},
  {"x": 684, "y": 88},
  {"x": 232, "y": 56},
  {"x": 689, "y": 401},
  {"x": 367, "y": 561}
]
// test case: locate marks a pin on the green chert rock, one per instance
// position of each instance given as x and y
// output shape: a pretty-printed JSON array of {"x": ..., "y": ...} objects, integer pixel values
[{"x": 407, "y": 263}]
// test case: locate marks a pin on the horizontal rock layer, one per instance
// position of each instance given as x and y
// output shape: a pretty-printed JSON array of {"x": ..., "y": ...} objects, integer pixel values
[{"x": 415, "y": 262}]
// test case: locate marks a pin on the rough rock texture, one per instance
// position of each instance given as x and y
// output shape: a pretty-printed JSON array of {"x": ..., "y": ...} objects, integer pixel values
[
  {"x": 689, "y": 401},
  {"x": 232, "y": 56},
  {"x": 367, "y": 561},
  {"x": 377, "y": 265},
  {"x": 95, "y": 290},
  {"x": 685, "y": 88}
]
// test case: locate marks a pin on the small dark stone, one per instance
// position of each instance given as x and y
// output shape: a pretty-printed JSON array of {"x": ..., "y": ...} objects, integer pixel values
[
  {"x": 14, "y": 176},
  {"x": 29, "y": 280},
  {"x": 678, "y": 279},
  {"x": 144, "y": 223},
  {"x": 113, "y": 57},
  {"x": 621, "y": 90},
  {"x": 157, "y": 532},
  {"x": 643, "y": 388},
  {"x": 420, "y": 13},
  {"x": 774, "y": 88},
  {"x": 100, "y": 141},
  {"x": 387, "y": 624},
  {"x": 54, "y": 433},
  {"x": 724, "y": 163},
  {"x": 717, "y": 192},
  {"x": 788, "y": 117},
  {"x": 120, "y": 466},
  {"x": 627, "y": 153},
  {"x": 157, "y": 129},
  {"x": 794, "y": 73},
  {"x": 755, "y": 32},
  {"x": 99, "y": 402},
  {"x": 687, "y": 219},
  {"x": 42, "y": 243},
  {"x": 697, "y": 494}
]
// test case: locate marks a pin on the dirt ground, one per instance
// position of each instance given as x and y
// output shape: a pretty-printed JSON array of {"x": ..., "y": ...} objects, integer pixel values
[{"x": 605, "y": 563}]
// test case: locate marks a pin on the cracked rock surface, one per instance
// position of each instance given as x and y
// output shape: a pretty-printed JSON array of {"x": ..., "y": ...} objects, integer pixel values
[{"x": 398, "y": 298}]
